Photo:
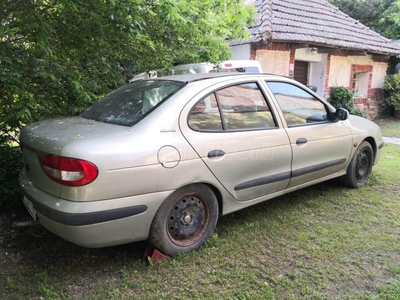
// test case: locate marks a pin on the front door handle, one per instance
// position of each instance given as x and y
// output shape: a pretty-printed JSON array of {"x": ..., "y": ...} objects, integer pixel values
[
  {"x": 215, "y": 153},
  {"x": 301, "y": 141}
]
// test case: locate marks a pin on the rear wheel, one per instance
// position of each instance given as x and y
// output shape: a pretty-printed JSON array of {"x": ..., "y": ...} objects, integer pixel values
[
  {"x": 360, "y": 167},
  {"x": 185, "y": 220}
]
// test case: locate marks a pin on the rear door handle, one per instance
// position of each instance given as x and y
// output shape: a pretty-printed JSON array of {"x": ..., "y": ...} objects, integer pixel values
[
  {"x": 301, "y": 141},
  {"x": 215, "y": 153}
]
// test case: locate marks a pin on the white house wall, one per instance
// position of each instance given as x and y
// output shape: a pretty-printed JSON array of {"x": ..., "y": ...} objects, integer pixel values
[
  {"x": 379, "y": 74},
  {"x": 340, "y": 70},
  {"x": 278, "y": 62},
  {"x": 305, "y": 54},
  {"x": 241, "y": 52},
  {"x": 318, "y": 74},
  {"x": 317, "y": 67},
  {"x": 275, "y": 62}
]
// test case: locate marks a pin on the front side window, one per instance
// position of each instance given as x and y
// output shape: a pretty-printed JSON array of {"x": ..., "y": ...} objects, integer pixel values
[
  {"x": 298, "y": 106},
  {"x": 131, "y": 103},
  {"x": 237, "y": 107}
]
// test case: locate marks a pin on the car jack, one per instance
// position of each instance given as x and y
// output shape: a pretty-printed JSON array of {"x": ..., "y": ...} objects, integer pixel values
[{"x": 153, "y": 255}]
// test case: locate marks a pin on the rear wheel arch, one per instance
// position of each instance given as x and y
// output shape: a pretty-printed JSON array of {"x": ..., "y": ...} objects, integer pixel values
[
  {"x": 219, "y": 197},
  {"x": 215, "y": 190},
  {"x": 186, "y": 219}
]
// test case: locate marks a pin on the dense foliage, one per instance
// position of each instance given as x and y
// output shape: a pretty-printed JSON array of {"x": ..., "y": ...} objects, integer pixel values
[
  {"x": 57, "y": 56},
  {"x": 391, "y": 21},
  {"x": 392, "y": 89},
  {"x": 341, "y": 97},
  {"x": 383, "y": 16}
]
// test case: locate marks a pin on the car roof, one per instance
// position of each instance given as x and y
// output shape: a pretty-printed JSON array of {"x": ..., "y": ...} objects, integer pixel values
[{"x": 204, "y": 76}]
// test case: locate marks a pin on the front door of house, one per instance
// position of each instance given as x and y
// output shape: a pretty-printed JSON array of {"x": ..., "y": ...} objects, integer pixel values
[{"x": 301, "y": 71}]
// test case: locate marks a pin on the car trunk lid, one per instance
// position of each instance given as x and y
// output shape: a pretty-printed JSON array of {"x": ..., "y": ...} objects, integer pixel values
[{"x": 50, "y": 137}]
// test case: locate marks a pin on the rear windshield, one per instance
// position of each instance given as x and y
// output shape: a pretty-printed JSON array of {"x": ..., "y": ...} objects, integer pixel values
[{"x": 131, "y": 103}]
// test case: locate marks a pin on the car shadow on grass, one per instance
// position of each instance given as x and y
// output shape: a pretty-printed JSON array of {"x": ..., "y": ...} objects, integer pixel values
[
  {"x": 29, "y": 252},
  {"x": 33, "y": 249},
  {"x": 36, "y": 247}
]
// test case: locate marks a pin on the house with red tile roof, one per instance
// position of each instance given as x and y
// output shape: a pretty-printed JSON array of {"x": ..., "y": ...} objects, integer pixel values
[{"x": 318, "y": 45}]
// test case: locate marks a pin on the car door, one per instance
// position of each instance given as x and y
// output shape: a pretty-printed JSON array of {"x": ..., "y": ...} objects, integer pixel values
[
  {"x": 320, "y": 146},
  {"x": 236, "y": 134}
]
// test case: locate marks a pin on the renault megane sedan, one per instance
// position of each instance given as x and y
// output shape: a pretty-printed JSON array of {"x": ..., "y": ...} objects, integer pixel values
[{"x": 162, "y": 159}]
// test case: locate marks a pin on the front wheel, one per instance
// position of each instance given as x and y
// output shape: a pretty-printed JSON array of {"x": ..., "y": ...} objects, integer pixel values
[
  {"x": 185, "y": 220},
  {"x": 360, "y": 167}
]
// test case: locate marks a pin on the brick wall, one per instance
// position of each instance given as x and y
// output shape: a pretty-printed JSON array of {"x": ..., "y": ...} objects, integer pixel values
[
  {"x": 372, "y": 105},
  {"x": 272, "y": 47}
]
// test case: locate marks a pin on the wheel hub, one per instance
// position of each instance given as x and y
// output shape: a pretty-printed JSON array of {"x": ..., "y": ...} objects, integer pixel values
[{"x": 186, "y": 219}]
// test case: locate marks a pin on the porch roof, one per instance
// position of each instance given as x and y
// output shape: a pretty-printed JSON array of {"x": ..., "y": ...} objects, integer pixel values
[{"x": 313, "y": 23}]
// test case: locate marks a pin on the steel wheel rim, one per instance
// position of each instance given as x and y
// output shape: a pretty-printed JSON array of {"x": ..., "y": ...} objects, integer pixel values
[
  {"x": 363, "y": 165},
  {"x": 188, "y": 220}
]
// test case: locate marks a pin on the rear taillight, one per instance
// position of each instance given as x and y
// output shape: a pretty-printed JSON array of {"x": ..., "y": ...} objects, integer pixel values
[{"x": 68, "y": 171}]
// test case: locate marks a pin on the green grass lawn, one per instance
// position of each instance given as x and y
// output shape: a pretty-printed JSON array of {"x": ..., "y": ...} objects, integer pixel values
[
  {"x": 323, "y": 242},
  {"x": 390, "y": 127}
]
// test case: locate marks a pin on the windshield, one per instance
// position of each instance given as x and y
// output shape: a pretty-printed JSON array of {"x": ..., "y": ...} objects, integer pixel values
[{"x": 131, "y": 103}]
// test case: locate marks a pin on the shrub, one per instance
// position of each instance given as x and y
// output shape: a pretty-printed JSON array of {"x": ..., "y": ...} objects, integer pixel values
[
  {"x": 10, "y": 165},
  {"x": 392, "y": 88},
  {"x": 341, "y": 97}
]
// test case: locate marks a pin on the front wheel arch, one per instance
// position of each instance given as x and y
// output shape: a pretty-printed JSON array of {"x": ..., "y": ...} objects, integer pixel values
[
  {"x": 374, "y": 146},
  {"x": 360, "y": 166}
]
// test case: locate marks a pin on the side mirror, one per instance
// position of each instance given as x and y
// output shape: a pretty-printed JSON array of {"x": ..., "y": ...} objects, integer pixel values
[{"x": 340, "y": 114}]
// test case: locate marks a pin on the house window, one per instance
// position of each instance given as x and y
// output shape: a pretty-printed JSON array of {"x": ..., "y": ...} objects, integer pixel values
[
  {"x": 360, "y": 84},
  {"x": 361, "y": 80}
]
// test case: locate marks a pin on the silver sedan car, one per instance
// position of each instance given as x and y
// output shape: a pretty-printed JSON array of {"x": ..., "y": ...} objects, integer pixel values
[{"x": 162, "y": 159}]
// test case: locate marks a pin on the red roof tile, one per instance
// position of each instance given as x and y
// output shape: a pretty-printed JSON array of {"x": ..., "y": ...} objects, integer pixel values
[{"x": 314, "y": 22}]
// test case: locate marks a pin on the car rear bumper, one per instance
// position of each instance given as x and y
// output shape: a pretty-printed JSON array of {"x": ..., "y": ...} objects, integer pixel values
[{"x": 94, "y": 223}]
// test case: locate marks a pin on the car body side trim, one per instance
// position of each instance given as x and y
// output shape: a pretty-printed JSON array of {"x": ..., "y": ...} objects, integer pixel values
[
  {"x": 262, "y": 181},
  {"x": 88, "y": 218},
  {"x": 318, "y": 167},
  {"x": 287, "y": 175}
]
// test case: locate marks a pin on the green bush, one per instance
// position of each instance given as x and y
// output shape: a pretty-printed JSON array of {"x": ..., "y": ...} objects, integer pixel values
[
  {"x": 341, "y": 97},
  {"x": 10, "y": 165},
  {"x": 57, "y": 57},
  {"x": 391, "y": 87}
]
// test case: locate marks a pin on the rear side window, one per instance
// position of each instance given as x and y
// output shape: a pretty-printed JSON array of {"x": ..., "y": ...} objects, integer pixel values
[
  {"x": 238, "y": 107},
  {"x": 205, "y": 115},
  {"x": 298, "y": 106},
  {"x": 131, "y": 103}
]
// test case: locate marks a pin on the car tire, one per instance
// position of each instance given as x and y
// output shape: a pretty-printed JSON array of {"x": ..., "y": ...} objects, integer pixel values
[
  {"x": 185, "y": 220},
  {"x": 360, "y": 167}
]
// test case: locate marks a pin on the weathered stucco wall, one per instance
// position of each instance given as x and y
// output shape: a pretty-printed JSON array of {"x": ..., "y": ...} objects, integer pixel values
[
  {"x": 379, "y": 74},
  {"x": 340, "y": 70},
  {"x": 274, "y": 61},
  {"x": 307, "y": 54},
  {"x": 241, "y": 52},
  {"x": 326, "y": 71}
]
